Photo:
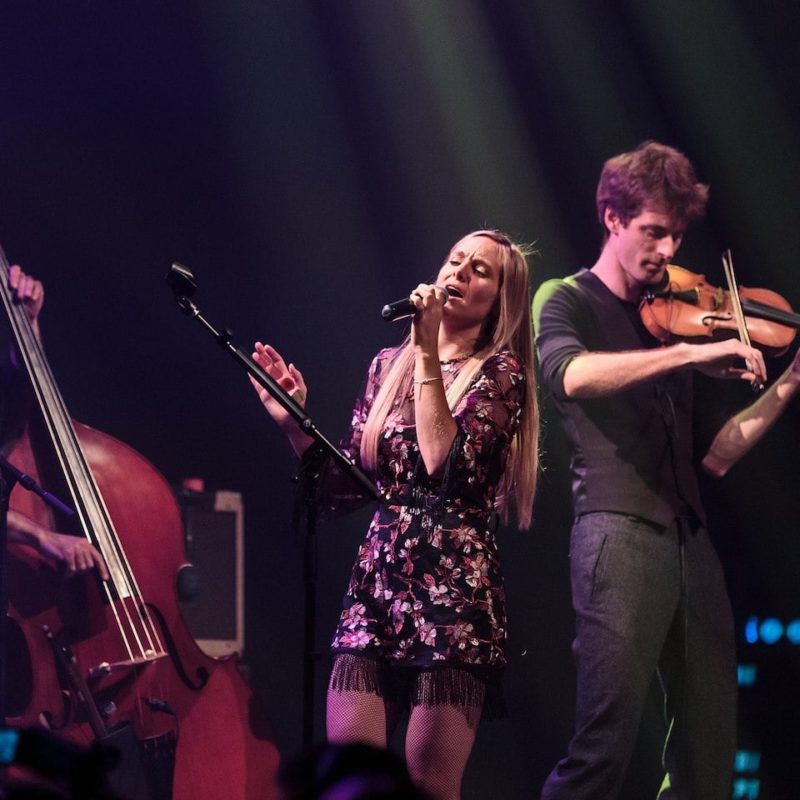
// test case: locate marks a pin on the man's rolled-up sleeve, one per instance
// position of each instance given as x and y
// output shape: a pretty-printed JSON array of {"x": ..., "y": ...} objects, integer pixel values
[{"x": 556, "y": 318}]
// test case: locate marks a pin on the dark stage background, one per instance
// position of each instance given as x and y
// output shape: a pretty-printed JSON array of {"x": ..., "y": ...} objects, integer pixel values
[{"x": 312, "y": 160}]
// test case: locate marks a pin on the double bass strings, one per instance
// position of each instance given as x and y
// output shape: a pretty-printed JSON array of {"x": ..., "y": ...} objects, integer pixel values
[{"x": 138, "y": 632}]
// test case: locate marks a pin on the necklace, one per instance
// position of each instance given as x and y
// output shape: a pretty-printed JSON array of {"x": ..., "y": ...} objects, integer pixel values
[{"x": 450, "y": 364}]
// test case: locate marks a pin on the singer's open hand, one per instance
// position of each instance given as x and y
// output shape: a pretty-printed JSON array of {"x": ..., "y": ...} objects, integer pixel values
[
  {"x": 429, "y": 301},
  {"x": 288, "y": 378}
]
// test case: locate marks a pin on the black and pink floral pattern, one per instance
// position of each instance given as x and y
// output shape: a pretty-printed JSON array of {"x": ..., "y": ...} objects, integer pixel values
[{"x": 426, "y": 587}]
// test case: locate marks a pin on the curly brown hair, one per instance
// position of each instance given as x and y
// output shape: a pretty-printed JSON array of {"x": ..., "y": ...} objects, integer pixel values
[{"x": 653, "y": 175}]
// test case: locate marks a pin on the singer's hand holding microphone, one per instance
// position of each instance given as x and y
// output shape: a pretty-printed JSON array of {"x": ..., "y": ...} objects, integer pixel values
[
  {"x": 408, "y": 306},
  {"x": 428, "y": 302}
]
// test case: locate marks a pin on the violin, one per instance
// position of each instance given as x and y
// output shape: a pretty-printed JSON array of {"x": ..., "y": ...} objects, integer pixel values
[{"x": 685, "y": 307}]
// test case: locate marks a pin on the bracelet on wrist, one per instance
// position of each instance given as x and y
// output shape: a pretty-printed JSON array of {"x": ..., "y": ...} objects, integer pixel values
[{"x": 426, "y": 381}]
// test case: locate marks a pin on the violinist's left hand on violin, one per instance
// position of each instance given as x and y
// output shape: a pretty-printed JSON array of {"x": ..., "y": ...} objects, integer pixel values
[{"x": 723, "y": 359}]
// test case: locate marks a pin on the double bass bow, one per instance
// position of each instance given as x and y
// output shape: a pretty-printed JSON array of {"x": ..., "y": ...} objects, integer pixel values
[{"x": 92, "y": 659}]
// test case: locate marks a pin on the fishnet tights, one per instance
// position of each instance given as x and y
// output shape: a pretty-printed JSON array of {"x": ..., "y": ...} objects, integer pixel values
[{"x": 439, "y": 738}]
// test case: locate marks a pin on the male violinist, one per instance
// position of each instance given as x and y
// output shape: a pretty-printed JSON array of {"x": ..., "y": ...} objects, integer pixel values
[
  {"x": 74, "y": 553},
  {"x": 647, "y": 586}
]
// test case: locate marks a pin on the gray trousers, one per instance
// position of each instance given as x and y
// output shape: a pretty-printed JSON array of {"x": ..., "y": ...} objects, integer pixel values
[{"x": 649, "y": 600}]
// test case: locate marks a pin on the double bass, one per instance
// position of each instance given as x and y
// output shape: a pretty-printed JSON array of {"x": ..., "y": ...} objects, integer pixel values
[{"x": 113, "y": 660}]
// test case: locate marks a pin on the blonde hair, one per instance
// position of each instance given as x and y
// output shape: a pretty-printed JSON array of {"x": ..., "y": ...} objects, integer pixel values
[{"x": 508, "y": 327}]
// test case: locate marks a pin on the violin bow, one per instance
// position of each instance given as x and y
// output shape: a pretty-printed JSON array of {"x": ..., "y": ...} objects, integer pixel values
[{"x": 736, "y": 305}]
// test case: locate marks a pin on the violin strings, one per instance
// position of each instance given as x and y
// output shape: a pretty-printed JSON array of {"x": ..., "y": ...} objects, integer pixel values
[{"x": 672, "y": 308}]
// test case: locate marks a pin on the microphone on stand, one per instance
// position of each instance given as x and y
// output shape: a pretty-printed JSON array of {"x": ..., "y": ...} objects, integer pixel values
[{"x": 401, "y": 309}]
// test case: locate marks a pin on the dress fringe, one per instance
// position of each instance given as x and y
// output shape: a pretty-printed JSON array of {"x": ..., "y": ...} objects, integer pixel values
[
  {"x": 353, "y": 673},
  {"x": 421, "y": 686}
]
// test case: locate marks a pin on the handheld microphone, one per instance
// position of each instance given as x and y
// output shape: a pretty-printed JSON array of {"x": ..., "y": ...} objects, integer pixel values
[{"x": 401, "y": 309}]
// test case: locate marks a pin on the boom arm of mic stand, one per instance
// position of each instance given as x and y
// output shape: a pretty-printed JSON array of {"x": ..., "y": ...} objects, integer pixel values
[{"x": 223, "y": 338}]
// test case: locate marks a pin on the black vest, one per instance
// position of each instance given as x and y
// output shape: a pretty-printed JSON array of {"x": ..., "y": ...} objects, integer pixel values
[{"x": 631, "y": 451}]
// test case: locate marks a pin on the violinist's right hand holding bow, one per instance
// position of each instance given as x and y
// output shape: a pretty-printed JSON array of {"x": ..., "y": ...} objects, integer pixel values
[{"x": 723, "y": 359}]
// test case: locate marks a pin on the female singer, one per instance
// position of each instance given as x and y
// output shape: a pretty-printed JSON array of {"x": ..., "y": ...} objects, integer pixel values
[{"x": 447, "y": 425}]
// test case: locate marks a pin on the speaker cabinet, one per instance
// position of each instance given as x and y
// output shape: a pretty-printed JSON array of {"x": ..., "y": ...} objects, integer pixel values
[{"x": 211, "y": 587}]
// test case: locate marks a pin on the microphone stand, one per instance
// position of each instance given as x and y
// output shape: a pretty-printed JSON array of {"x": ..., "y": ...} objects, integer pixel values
[
  {"x": 9, "y": 476},
  {"x": 181, "y": 281}
]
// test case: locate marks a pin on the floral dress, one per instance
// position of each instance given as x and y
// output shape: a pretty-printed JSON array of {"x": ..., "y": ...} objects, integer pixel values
[{"x": 426, "y": 589}]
